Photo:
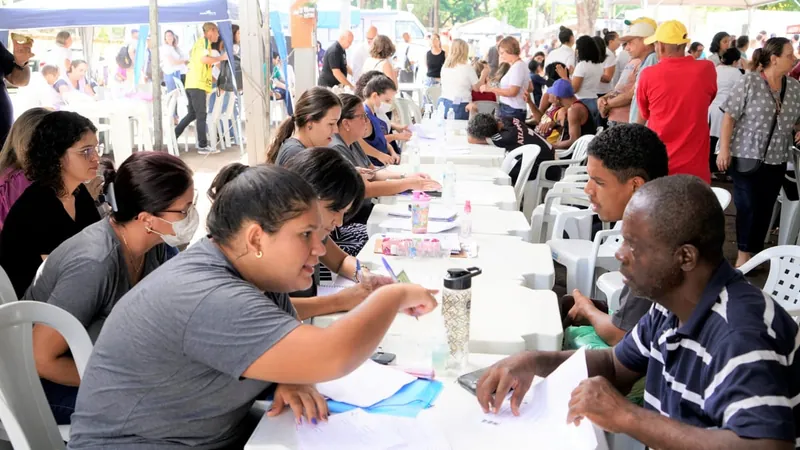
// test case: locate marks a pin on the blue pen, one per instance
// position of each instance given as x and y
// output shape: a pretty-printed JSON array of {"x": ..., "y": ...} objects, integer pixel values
[
  {"x": 391, "y": 273},
  {"x": 358, "y": 271}
]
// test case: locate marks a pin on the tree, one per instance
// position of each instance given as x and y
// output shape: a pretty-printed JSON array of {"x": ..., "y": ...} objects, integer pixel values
[
  {"x": 456, "y": 11},
  {"x": 587, "y": 16},
  {"x": 785, "y": 5},
  {"x": 513, "y": 11}
]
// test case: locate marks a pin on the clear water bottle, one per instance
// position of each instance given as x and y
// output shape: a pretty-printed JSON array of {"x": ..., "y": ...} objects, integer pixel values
[
  {"x": 465, "y": 222},
  {"x": 428, "y": 112},
  {"x": 449, "y": 184},
  {"x": 440, "y": 116},
  {"x": 414, "y": 157},
  {"x": 456, "y": 309}
]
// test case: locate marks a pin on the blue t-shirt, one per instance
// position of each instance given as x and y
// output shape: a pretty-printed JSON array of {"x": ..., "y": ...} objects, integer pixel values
[
  {"x": 378, "y": 137},
  {"x": 651, "y": 60},
  {"x": 6, "y": 114}
]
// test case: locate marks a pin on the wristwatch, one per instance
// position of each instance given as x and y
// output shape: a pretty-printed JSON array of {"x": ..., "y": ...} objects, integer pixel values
[{"x": 22, "y": 67}]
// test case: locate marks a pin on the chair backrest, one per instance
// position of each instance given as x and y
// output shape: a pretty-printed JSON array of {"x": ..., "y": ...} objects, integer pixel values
[
  {"x": 404, "y": 108},
  {"x": 581, "y": 147},
  {"x": 783, "y": 282},
  {"x": 20, "y": 386},
  {"x": 433, "y": 93},
  {"x": 529, "y": 154},
  {"x": 723, "y": 196},
  {"x": 7, "y": 292}
]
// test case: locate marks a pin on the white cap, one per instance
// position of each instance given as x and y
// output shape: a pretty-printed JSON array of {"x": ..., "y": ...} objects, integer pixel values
[{"x": 639, "y": 29}]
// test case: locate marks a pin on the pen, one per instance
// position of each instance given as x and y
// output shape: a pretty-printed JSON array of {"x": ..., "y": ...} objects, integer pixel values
[
  {"x": 394, "y": 277},
  {"x": 358, "y": 270}
]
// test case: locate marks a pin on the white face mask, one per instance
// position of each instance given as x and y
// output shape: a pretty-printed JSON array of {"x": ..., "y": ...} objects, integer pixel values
[
  {"x": 385, "y": 108},
  {"x": 184, "y": 229}
]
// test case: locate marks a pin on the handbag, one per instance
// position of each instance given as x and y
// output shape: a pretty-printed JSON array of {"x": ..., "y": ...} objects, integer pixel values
[{"x": 750, "y": 165}]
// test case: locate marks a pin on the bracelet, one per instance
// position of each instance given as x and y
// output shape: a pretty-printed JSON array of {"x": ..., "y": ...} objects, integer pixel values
[{"x": 22, "y": 67}]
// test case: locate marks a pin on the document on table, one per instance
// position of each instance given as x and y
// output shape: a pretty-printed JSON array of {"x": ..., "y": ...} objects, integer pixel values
[
  {"x": 437, "y": 212},
  {"x": 334, "y": 286},
  {"x": 543, "y": 413},
  {"x": 367, "y": 385},
  {"x": 359, "y": 430},
  {"x": 399, "y": 223}
]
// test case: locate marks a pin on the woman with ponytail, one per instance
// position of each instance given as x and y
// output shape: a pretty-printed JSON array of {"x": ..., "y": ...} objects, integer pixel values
[
  {"x": 756, "y": 137},
  {"x": 312, "y": 125},
  {"x": 152, "y": 202}
]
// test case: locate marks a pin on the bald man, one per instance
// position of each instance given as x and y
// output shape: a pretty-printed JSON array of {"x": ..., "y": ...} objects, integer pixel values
[
  {"x": 360, "y": 53},
  {"x": 334, "y": 64}
]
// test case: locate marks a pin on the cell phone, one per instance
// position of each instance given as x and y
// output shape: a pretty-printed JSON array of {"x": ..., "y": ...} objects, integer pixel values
[
  {"x": 469, "y": 381},
  {"x": 383, "y": 358}
]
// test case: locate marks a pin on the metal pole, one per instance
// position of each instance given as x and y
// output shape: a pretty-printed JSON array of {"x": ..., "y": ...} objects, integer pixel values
[{"x": 155, "y": 78}]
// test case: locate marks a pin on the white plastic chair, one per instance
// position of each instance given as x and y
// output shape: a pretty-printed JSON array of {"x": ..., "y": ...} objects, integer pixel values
[
  {"x": 581, "y": 257},
  {"x": 580, "y": 145},
  {"x": 789, "y": 224},
  {"x": 723, "y": 196},
  {"x": 564, "y": 198},
  {"x": 433, "y": 93},
  {"x": 169, "y": 130},
  {"x": 529, "y": 154},
  {"x": 26, "y": 415},
  {"x": 485, "y": 107},
  {"x": 534, "y": 189},
  {"x": 783, "y": 281},
  {"x": 409, "y": 111},
  {"x": 229, "y": 117}
]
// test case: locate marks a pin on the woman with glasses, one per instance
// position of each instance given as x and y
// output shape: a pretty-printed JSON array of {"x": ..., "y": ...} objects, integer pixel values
[
  {"x": 57, "y": 205},
  {"x": 152, "y": 201}
]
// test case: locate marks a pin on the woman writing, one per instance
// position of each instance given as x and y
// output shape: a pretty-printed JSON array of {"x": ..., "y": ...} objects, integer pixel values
[
  {"x": 514, "y": 85},
  {"x": 12, "y": 158},
  {"x": 756, "y": 137},
  {"x": 188, "y": 350},
  {"x": 435, "y": 59},
  {"x": 377, "y": 95},
  {"x": 459, "y": 80},
  {"x": 56, "y": 206},
  {"x": 152, "y": 200}
]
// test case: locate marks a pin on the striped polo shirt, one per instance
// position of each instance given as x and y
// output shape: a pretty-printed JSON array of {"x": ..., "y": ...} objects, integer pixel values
[{"x": 732, "y": 365}]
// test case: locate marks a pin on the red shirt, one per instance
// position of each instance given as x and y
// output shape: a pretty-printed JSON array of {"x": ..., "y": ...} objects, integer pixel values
[
  {"x": 795, "y": 73},
  {"x": 483, "y": 96},
  {"x": 674, "y": 96}
]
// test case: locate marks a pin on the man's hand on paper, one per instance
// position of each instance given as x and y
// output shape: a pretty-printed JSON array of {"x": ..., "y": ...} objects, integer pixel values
[
  {"x": 417, "y": 300},
  {"x": 515, "y": 372},
  {"x": 597, "y": 400},
  {"x": 356, "y": 294},
  {"x": 304, "y": 400}
]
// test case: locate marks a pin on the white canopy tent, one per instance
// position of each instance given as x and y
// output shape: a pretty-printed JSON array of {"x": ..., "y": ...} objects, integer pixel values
[{"x": 482, "y": 27}]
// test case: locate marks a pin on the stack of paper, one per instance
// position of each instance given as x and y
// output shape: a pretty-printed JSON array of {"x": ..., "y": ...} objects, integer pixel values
[
  {"x": 358, "y": 430},
  {"x": 367, "y": 385}
]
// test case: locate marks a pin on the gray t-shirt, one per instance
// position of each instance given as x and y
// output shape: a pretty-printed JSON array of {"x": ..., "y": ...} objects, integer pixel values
[
  {"x": 87, "y": 275},
  {"x": 166, "y": 370},
  {"x": 289, "y": 148},
  {"x": 631, "y": 309},
  {"x": 353, "y": 153}
]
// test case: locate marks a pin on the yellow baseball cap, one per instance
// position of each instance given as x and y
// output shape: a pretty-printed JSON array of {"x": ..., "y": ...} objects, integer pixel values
[{"x": 670, "y": 32}]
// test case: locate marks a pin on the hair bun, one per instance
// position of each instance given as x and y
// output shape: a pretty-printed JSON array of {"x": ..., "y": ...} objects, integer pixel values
[
  {"x": 108, "y": 171},
  {"x": 562, "y": 28},
  {"x": 605, "y": 31},
  {"x": 225, "y": 176}
]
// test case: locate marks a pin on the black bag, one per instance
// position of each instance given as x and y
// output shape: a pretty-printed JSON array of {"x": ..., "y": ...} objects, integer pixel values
[
  {"x": 225, "y": 81},
  {"x": 124, "y": 58},
  {"x": 750, "y": 165}
]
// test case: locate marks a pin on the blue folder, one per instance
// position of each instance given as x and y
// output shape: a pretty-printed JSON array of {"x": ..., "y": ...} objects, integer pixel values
[{"x": 407, "y": 402}]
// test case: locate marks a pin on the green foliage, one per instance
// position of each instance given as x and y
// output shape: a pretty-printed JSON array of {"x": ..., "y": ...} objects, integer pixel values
[
  {"x": 785, "y": 5},
  {"x": 514, "y": 12}
]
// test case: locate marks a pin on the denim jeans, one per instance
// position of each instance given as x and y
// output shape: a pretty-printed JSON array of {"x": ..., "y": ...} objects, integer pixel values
[
  {"x": 169, "y": 80},
  {"x": 508, "y": 111},
  {"x": 754, "y": 195},
  {"x": 61, "y": 400},
  {"x": 460, "y": 109}
]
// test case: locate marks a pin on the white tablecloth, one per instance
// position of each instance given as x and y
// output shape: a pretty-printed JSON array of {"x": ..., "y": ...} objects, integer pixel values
[{"x": 477, "y": 192}]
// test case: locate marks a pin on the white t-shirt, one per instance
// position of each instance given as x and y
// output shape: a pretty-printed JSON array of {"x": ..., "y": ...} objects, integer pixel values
[
  {"x": 591, "y": 74},
  {"x": 563, "y": 54},
  {"x": 373, "y": 64},
  {"x": 56, "y": 57},
  {"x": 517, "y": 75},
  {"x": 623, "y": 58},
  {"x": 168, "y": 51},
  {"x": 457, "y": 83},
  {"x": 357, "y": 58},
  {"x": 610, "y": 61}
]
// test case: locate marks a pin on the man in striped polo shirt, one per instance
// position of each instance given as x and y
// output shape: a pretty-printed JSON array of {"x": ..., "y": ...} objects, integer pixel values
[{"x": 718, "y": 353}]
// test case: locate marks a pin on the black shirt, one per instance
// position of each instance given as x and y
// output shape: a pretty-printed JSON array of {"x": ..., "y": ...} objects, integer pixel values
[
  {"x": 515, "y": 133},
  {"x": 7, "y": 64},
  {"x": 538, "y": 83},
  {"x": 35, "y": 226},
  {"x": 435, "y": 63},
  {"x": 335, "y": 58}
]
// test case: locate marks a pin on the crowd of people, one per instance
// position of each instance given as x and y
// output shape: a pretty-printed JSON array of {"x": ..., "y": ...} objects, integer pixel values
[{"x": 186, "y": 341}]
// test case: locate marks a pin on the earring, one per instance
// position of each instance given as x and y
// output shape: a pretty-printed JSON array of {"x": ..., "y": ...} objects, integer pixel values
[{"x": 259, "y": 254}]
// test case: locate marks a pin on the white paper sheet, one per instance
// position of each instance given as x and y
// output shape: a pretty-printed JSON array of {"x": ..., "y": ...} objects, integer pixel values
[
  {"x": 400, "y": 223},
  {"x": 367, "y": 385},
  {"x": 334, "y": 286},
  {"x": 437, "y": 212},
  {"x": 358, "y": 430}
]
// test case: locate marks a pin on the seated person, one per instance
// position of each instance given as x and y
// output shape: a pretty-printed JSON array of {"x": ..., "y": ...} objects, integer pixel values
[
  {"x": 510, "y": 133},
  {"x": 47, "y": 95},
  {"x": 57, "y": 205},
  {"x": 378, "y": 91},
  {"x": 717, "y": 352},
  {"x": 187, "y": 351},
  {"x": 152, "y": 200},
  {"x": 73, "y": 85},
  {"x": 621, "y": 160},
  {"x": 15, "y": 151},
  {"x": 575, "y": 123}
]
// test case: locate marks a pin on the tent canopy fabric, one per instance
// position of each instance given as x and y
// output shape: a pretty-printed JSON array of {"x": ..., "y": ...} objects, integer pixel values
[
  {"x": 718, "y": 3},
  {"x": 83, "y": 13}
]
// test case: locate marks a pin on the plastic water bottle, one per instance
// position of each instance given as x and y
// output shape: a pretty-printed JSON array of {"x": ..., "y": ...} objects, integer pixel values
[
  {"x": 451, "y": 118},
  {"x": 428, "y": 112},
  {"x": 449, "y": 184},
  {"x": 440, "y": 116},
  {"x": 414, "y": 158},
  {"x": 465, "y": 222},
  {"x": 440, "y": 350}
]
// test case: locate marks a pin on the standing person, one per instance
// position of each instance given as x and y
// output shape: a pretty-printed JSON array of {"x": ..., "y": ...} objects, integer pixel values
[
  {"x": 334, "y": 63},
  {"x": 719, "y": 45},
  {"x": 588, "y": 73},
  {"x": 199, "y": 81},
  {"x": 616, "y": 105},
  {"x": 360, "y": 54},
  {"x": 743, "y": 44},
  {"x": 679, "y": 116},
  {"x": 536, "y": 69},
  {"x": 57, "y": 205},
  {"x": 408, "y": 70},
  {"x": 634, "y": 41},
  {"x": 435, "y": 60},
  {"x": 13, "y": 69},
  {"x": 612, "y": 44},
  {"x": 171, "y": 60},
  {"x": 565, "y": 53},
  {"x": 609, "y": 67},
  {"x": 61, "y": 55},
  {"x": 458, "y": 81},
  {"x": 696, "y": 50},
  {"x": 728, "y": 77},
  {"x": 380, "y": 58},
  {"x": 493, "y": 55},
  {"x": 756, "y": 138},
  {"x": 514, "y": 84}
]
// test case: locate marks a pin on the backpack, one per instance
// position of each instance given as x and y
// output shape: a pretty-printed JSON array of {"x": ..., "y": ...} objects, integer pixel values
[
  {"x": 225, "y": 82},
  {"x": 124, "y": 58}
]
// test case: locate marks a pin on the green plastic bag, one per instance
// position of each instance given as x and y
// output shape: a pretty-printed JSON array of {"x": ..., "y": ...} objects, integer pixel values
[{"x": 583, "y": 337}]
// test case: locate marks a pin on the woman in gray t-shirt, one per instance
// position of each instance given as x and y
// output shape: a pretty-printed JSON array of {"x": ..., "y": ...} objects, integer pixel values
[{"x": 152, "y": 200}]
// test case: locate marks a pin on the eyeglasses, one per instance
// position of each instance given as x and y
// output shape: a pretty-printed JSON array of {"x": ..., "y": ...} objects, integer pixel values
[
  {"x": 184, "y": 212},
  {"x": 88, "y": 153},
  {"x": 362, "y": 116}
]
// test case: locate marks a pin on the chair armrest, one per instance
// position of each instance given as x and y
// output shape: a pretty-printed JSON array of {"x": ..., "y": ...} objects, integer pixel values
[
  {"x": 561, "y": 220},
  {"x": 599, "y": 238},
  {"x": 576, "y": 170}
]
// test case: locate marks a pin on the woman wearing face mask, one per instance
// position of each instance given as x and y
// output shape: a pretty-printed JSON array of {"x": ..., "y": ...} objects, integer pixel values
[
  {"x": 377, "y": 95},
  {"x": 56, "y": 206},
  {"x": 189, "y": 349},
  {"x": 152, "y": 200},
  {"x": 312, "y": 125}
]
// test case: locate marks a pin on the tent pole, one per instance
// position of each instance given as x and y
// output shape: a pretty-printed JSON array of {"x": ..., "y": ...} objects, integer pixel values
[
  {"x": 255, "y": 43},
  {"x": 155, "y": 78}
]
